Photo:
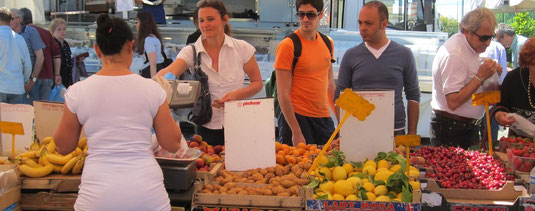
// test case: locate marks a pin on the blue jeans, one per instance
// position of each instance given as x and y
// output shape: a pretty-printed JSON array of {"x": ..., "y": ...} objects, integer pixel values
[
  {"x": 40, "y": 90},
  {"x": 11, "y": 98}
]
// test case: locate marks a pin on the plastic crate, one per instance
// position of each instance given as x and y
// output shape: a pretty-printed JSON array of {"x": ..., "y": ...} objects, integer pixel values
[{"x": 523, "y": 164}]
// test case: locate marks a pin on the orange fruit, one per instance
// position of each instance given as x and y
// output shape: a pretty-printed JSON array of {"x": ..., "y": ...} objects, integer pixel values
[
  {"x": 295, "y": 152},
  {"x": 285, "y": 146},
  {"x": 281, "y": 153},
  {"x": 292, "y": 160},
  {"x": 280, "y": 159},
  {"x": 311, "y": 147},
  {"x": 278, "y": 146},
  {"x": 287, "y": 157},
  {"x": 301, "y": 151},
  {"x": 301, "y": 145}
]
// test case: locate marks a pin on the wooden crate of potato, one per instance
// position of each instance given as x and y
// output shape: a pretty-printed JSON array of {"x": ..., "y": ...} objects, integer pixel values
[{"x": 273, "y": 187}]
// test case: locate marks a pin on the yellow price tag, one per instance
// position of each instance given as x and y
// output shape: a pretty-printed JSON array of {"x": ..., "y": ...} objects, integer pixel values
[
  {"x": 355, "y": 104},
  {"x": 14, "y": 128},
  {"x": 488, "y": 98},
  {"x": 408, "y": 140}
]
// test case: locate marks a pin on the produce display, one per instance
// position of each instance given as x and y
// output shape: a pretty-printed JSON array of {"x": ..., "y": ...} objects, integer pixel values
[
  {"x": 381, "y": 179},
  {"x": 271, "y": 181},
  {"x": 465, "y": 169},
  {"x": 43, "y": 159},
  {"x": 293, "y": 155}
]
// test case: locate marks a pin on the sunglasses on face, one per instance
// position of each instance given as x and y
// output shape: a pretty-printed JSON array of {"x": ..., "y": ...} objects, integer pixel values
[
  {"x": 310, "y": 15},
  {"x": 484, "y": 38}
]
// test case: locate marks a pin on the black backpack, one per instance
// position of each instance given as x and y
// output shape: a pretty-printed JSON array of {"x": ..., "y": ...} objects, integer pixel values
[{"x": 271, "y": 82}]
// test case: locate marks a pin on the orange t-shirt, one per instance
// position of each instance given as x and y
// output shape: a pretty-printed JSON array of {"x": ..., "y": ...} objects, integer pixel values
[{"x": 310, "y": 77}]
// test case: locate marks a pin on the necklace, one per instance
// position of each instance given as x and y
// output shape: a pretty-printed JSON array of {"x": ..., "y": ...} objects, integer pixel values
[{"x": 529, "y": 92}]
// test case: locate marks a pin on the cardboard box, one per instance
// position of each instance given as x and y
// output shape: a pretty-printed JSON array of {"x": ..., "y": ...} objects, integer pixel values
[
  {"x": 47, "y": 118},
  {"x": 9, "y": 189},
  {"x": 19, "y": 113}
]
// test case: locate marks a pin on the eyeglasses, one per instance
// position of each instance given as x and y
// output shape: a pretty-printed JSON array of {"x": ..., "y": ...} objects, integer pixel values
[
  {"x": 484, "y": 38},
  {"x": 310, "y": 15}
]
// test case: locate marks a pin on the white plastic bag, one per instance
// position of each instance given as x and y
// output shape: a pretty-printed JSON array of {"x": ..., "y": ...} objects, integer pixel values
[
  {"x": 161, "y": 152},
  {"x": 522, "y": 126}
]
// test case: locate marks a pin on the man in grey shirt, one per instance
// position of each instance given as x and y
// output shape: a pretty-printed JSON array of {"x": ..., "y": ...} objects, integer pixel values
[
  {"x": 379, "y": 63},
  {"x": 35, "y": 48}
]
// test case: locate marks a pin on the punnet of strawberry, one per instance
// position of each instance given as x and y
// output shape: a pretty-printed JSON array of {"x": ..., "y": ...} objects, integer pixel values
[
  {"x": 464, "y": 169},
  {"x": 514, "y": 142}
]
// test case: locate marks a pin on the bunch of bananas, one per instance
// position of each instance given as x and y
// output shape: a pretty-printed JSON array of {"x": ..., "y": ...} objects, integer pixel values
[{"x": 43, "y": 159}]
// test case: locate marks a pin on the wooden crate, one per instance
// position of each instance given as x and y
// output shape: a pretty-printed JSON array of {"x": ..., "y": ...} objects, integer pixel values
[
  {"x": 246, "y": 201},
  {"x": 48, "y": 201},
  {"x": 52, "y": 192},
  {"x": 54, "y": 182},
  {"x": 214, "y": 168}
]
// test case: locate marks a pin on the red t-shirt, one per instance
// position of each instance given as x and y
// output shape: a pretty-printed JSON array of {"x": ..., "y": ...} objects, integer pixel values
[{"x": 51, "y": 51}]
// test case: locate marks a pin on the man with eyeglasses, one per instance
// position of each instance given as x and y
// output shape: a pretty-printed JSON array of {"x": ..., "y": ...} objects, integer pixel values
[
  {"x": 35, "y": 47},
  {"x": 305, "y": 92},
  {"x": 15, "y": 64},
  {"x": 509, "y": 39},
  {"x": 380, "y": 63},
  {"x": 458, "y": 72}
]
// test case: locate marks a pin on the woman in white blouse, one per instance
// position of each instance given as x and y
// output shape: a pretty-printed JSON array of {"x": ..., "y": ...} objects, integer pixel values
[{"x": 225, "y": 60}]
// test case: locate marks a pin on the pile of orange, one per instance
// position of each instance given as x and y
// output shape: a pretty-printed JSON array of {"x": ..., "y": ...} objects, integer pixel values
[{"x": 293, "y": 155}]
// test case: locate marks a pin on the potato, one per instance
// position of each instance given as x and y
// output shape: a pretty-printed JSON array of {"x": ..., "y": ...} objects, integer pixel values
[
  {"x": 287, "y": 183},
  {"x": 284, "y": 193},
  {"x": 243, "y": 192},
  {"x": 263, "y": 171},
  {"x": 268, "y": 176},
  {"x": 267, "y": 192},
  {"x": 257, "y": 176},
  {"x": 262, "y": 181},
  {"x": 209, "y": 187},
  {"x": 307, "y": 166},
  {"x": 228, "y": 179},
  {"x": 206, "y": 191},
  {"x": 279, "y": 171},
  {"x": 294, "y": 189},
  {"x": 251, "y": 181},
  {"x": 271, "y": 170},
  {"x": 242, "y": 180},
  {"x": 216, "y": 192},
  {"x": 302, "y": 181},
  {"x": 287, "y": 169},
  {"x": 277, "y": 189},
  {"x": 232, "y": 191},
  {"x": 230, "y": 185}
]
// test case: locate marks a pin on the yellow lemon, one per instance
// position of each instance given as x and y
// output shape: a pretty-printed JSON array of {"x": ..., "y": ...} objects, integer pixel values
[
  {"x": 337, "y": 196},
  {"x": 330, "y": 196},
  {"x": 339, "y": 173},
  {"x": 352, "y": 174},
  {"x": 395, "y": 168},
  {"x": 327, "y": 187},
  {"x": 370, "y": 170},
  {"x": 371, "y": 196},
  {"x": 370, "y": 163},
  {"x": 380, "y": 190},
  {"x": 348, "y": 167},
  {"x": 398, "y": 196},
  {"x": 413, "y": 168},
  {"x": 382, "y": 169},
  {"x": 352, "y": 198},
  {"x": 365, "y": 180},
  {"x": 383, "y": 164},
  {"x": 354, "y": 181},
  {"x": 414, "y": 173},
  {"x": 343, "y": 187},
  {"x": 382, "y": 198},
  {"x": 326, "y": 172},
  {"x": 415, "y": 185},
  {"x": 368, "y": 186},
  {"x": 383, "y": 175},
  {"x": 322, "y": 160},
  {"x": 396, "y": 199}
]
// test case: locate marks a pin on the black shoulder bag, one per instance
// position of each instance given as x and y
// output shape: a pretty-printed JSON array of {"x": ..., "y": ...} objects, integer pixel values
[
  {"x": 202, "y": 110},
  {"x": 145, "y": 72}
]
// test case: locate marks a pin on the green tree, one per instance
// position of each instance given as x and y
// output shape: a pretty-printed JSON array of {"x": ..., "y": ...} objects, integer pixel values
[
  {"x": 524, "y": 24},
  {"x": 449, "y": 25}
]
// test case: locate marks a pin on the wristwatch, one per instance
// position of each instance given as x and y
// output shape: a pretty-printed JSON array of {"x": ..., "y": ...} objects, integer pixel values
[{"x": 34, "y": 79}]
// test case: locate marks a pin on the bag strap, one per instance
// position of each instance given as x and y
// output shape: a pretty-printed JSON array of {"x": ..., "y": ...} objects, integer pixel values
[{"x": 298, "y": 47}]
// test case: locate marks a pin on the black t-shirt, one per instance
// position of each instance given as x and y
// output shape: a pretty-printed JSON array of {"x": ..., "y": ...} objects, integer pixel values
[{"x": 514, "y": 93}]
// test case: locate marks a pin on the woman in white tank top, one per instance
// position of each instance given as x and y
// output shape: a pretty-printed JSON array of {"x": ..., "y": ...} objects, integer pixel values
[{"x": 117, "y": 110}]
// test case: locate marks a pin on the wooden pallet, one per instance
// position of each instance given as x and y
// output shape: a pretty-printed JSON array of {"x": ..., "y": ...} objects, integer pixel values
[
  {"x": 9, "y": 197},
  {"x": 55, "y": 182},
  {"x": 214, "y": 168}
]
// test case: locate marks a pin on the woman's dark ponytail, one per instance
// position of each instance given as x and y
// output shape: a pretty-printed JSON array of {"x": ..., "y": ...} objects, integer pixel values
[{"x": 112, "y": 34}]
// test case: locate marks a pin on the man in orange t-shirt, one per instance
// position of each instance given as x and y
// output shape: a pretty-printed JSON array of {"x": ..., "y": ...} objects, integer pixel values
[{"x": 305, "y": 93}]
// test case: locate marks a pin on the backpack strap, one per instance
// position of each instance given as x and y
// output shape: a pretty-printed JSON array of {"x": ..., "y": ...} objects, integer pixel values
[
  {"x": 328, "y": 43},
  {"x": 297, "y": 48}
]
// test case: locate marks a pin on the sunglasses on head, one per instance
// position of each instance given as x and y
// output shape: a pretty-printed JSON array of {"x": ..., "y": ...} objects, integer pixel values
[
  {"x": 484, "y": 38},
  {"x": 310, "y": 15}
]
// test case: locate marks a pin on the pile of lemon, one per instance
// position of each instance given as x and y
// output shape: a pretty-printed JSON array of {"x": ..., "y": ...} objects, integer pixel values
[{"x": 343, "y": 182}]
